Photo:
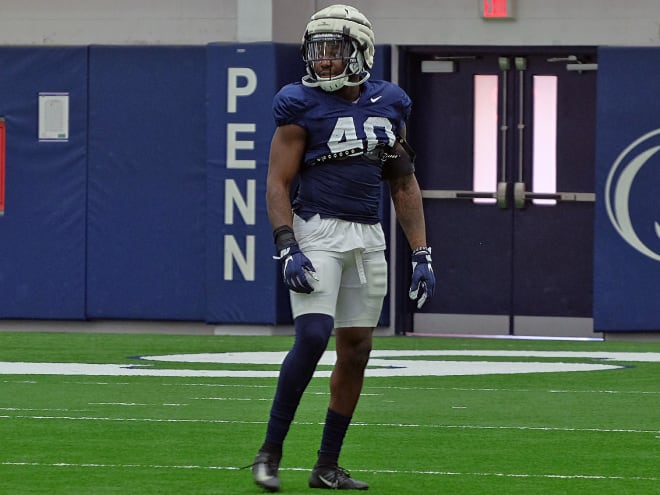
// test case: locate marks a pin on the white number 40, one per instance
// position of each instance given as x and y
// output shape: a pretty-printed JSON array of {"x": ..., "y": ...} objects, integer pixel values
[{"x": 344, "y": 137}]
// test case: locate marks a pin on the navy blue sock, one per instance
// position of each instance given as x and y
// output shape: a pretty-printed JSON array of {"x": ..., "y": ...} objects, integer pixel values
[
  {"x": 312, "y": 335},
  {"x": 334, "y": 432}
]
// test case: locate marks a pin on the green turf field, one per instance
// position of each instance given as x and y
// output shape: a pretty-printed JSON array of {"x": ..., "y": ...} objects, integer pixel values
[{"x": 63, "y": 431}]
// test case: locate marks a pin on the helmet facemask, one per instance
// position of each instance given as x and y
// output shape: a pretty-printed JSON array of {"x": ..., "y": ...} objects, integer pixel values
[{"x": 331, "y": 47}]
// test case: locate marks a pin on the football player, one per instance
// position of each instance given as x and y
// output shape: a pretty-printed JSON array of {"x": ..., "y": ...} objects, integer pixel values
[{"x": 338, "y": 136}]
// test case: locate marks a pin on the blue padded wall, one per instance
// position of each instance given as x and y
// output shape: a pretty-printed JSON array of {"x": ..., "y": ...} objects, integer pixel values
[
  {"x": 131, "y": 216},
  {"x": 147, "y": 184},
  {"x": 627, "y": 228},
  {"x": 42, "y": 234}
]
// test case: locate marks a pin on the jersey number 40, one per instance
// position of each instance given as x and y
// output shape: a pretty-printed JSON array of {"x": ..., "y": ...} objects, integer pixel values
[{"x": 344, "y": 135}]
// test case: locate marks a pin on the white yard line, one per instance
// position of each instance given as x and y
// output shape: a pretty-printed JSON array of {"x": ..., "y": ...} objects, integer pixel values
[
  {"x": 366, "y": 388},
  {"x": 371, "y": 471},
  {"x": 356, "y": 424}
]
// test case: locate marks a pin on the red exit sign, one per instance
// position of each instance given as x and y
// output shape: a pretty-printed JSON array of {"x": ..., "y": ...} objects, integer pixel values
[{"x": 497, "y": 9}]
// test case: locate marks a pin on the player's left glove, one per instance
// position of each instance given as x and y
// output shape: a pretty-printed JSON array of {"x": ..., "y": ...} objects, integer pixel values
[{"x": 423, "y": 279}]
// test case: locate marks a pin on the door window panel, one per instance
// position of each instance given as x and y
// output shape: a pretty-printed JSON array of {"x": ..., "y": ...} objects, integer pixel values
[
  {"x": 484, "y": 171},
  {"x": 544, "y": 154}
]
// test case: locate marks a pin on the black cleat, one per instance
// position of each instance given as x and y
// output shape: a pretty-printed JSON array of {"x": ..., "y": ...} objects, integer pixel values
[
  {"x": 334, "y": 478},
  {"x": 264, "y": 471}
]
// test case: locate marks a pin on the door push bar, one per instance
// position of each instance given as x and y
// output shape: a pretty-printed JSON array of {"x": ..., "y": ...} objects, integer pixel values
[
  {"x": 499, "y": 195},
  {"x": 520, "y": 196}
]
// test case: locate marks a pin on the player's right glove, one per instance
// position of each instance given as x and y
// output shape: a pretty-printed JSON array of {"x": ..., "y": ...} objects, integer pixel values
[
  {"x": 423, "y": 278},
  {"x": 295, "y": 265}
]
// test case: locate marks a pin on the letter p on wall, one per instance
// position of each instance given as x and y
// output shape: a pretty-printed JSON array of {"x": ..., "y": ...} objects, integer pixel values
[{"x": 247, "y": 77}]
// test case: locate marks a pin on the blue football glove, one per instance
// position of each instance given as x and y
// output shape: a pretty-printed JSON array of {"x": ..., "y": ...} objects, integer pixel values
[
  {"x": 295, "y": 268},
  {"x": 423, "y": 279}
]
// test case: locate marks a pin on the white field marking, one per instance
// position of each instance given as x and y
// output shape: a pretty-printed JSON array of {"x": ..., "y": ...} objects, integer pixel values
[
  {"x": 141, "y": 420},
  {"x": 329, "y": 357},
  {"x": 244, "y": 399},
  {"x": 519, "y": 428},
  {"x": 226, "y": 385},
  {"x": 383, "y": 363},
  {"x": 368, "y": 471},
  {"x": 40, "y": 409},
  {"x": 114, "y": 466},
  {"x": 635, "y": 392},
  {"x": 366, "y": 387},
  {"x": 377, "y": 368},
  {"x": 389, "y": 387},
  {"x": 100, "y": 383},
  {"x": 240, "y": 385},
  {"x": 355, "y": 424},
  {"x": 132, "y": 404},
  {"x": 363, "y": 394},
  {"x": 518, "y": 390}
]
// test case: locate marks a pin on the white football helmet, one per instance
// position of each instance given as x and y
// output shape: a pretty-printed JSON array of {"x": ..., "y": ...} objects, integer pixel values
[{"x": 338, "y": 32}]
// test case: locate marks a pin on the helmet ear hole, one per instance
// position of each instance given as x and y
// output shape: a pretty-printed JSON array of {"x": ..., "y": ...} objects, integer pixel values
[{"x": 356, "y": 66}]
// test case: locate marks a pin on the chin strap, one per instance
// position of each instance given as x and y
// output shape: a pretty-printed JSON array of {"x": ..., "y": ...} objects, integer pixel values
[
  {"x": 366, "y": 76},
  {"x": 338, "y": 81}
]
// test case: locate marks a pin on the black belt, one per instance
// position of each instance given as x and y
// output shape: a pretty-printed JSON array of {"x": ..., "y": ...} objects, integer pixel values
[
  {"x": 380, "y": 154},
  {"x": 341, "y": 155}
]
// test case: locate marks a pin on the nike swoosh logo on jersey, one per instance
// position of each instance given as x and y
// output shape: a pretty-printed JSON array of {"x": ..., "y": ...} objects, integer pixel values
[{"x": 374, "y": 99}]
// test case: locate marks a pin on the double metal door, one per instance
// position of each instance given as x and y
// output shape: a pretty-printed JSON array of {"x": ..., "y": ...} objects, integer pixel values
[{"x": 505, "y": 159}]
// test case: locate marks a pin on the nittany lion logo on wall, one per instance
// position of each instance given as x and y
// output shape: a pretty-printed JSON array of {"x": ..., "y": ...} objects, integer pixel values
[{"x": 632, "y": 193}]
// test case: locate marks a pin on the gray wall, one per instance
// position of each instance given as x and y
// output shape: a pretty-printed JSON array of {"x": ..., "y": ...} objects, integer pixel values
[{"x": 437, "y": 22}]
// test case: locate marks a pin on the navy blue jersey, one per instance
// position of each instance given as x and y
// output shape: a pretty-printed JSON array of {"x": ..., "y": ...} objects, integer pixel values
[{"x": 337, "y": 179}]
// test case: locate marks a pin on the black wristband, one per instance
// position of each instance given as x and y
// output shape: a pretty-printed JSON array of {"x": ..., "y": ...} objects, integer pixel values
[{"x": 283, "y": 237}]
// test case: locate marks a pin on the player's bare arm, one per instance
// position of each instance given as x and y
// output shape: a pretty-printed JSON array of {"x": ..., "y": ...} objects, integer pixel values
[
  {"x": 286, "y": 154},
  {"x": 407, "y": 199}
]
